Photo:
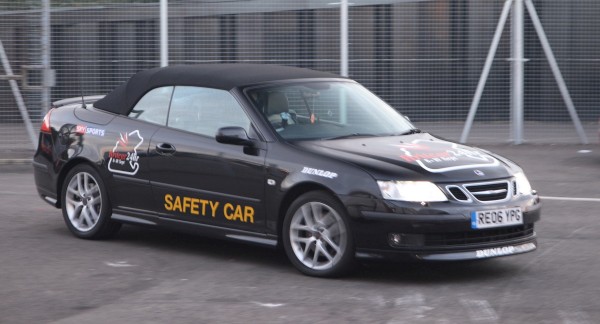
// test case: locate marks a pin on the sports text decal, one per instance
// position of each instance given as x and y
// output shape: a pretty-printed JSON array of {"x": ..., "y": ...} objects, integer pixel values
[{"x": 84, "y": 129}]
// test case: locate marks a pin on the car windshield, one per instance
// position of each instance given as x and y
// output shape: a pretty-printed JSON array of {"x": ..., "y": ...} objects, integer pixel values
[{"x": 327, "y": 110}]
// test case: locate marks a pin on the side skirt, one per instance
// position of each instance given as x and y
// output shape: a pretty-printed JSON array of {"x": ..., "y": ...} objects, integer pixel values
[
  {"x": 219, "y": 232},
  {"x": 206, "y": 230}
]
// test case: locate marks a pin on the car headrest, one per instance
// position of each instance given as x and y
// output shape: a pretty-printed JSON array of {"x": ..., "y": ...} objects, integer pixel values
[{"x": 277, "y": 103}]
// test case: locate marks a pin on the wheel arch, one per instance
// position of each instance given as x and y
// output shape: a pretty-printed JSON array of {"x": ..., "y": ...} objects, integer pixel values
[{"x": 292, "y": 194}]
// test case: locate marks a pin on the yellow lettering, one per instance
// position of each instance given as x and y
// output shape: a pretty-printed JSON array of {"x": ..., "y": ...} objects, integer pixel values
[
  {"x": 213, "y": 206},
  {"x": 227, "y": 211},
  {"x": 168, "y": 202},
  {"x": 177, "y": 204},
  {"x": 238, "y": 213},
  {"x": 248, "y": 214},
  {"x": 197, "y": 206},
  {"x": 194, "y": 206},
  {"x": 187, "y": 203},
  {"x": 203, "y": 202}
]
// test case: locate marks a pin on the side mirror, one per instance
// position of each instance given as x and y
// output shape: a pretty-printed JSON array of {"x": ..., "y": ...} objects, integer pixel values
[{"x": 233, "y": 135}]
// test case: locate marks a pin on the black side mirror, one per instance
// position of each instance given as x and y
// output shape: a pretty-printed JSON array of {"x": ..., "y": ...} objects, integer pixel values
[{"x": 233, "y": 135}]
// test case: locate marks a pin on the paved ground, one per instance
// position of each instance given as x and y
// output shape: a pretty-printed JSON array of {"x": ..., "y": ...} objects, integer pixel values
[{"x": 47, "y": 275}]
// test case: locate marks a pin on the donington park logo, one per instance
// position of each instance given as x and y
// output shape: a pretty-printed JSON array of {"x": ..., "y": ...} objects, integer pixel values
[
  {"x": 438, "y": 157},
  {"x": 124, "y": 157}
]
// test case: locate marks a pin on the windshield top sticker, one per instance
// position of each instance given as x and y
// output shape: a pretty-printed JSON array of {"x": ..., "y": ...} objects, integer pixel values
[
  {"x": 438, "y": 157},
  {"x": 124, "y": 157}
]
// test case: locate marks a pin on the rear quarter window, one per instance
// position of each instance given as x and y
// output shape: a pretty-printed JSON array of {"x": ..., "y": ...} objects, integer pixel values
[{"x": 154, "y": 106}]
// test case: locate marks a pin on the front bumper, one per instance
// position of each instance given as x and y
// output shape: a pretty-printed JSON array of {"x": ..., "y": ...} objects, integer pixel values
[
  {"x": 441, "y": 232},
  {"x": 457, "y": 253}
]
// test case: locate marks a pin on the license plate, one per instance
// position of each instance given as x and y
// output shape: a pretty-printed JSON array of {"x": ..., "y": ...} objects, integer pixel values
[{"x": 496, "y": 218}]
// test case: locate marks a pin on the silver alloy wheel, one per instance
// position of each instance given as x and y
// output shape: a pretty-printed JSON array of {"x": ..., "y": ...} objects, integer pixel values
[
  {"x": 83, "y": 201},
  {"x": 318, "y": 235}
]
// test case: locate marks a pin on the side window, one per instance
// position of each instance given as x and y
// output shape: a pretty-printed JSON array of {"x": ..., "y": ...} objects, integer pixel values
[
  {"x": 154, "y": 106},
  {"x": 204, "y": 110}
]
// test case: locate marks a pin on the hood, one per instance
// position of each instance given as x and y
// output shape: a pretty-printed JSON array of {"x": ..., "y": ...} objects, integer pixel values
[{"x": 415, "y": 157}]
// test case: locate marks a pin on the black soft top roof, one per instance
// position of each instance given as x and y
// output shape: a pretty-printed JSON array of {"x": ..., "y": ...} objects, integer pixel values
[{"x": 219, "y": 76}]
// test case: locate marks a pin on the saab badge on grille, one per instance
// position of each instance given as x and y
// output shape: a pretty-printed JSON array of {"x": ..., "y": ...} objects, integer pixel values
[{"x": 479, "y": 173}]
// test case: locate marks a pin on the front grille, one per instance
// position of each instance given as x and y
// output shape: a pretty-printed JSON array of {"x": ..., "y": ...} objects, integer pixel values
[
  {"x": 458, "y": 193},
  {"x": 491, "y": 191},
  {"x": 487, "y": 192},
  {"x": 479, "y": 236}
]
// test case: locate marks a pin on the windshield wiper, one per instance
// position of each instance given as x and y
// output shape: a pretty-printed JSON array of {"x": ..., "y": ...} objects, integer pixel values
[
  {"x": 412, "y": 131},
  {"x": 350, "y": 136}
]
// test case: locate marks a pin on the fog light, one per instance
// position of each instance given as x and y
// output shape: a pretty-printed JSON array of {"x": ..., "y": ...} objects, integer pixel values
[
  {"x": 395, "y": 239},
  {"x": 398, "y": 240}
]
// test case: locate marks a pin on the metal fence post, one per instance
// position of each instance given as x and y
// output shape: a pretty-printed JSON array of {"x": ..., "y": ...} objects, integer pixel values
[
  {"x": 344, "y": 38},
  {"x": 518, "y": 72},
  {"x": 46, "y": 72},
  {"x": 164, "y": 32}
]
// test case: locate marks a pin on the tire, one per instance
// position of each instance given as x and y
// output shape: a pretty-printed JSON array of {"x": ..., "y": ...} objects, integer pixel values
[
  {"x": 316, "y": 236},
  {"x": 85, "y": 205}
]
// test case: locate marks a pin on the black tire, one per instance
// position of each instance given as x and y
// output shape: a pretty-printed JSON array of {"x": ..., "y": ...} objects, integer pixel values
[
  {"x": 85, "y": 205},
  {"x": 316, "y": 236}
]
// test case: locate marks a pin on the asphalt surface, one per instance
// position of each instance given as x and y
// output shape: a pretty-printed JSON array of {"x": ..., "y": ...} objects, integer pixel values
[{"x": 152, "y": 276}]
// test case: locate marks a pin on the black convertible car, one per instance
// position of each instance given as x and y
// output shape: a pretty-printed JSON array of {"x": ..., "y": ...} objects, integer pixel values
[{"x": 278, "y": 156}]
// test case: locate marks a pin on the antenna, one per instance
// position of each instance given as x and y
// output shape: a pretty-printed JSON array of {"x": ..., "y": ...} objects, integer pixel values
[{"x": 83, "y": 105}]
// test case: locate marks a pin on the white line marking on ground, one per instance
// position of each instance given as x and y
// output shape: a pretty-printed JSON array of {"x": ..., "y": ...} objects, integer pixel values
[
  {"x": 480, "y": 310},
  {"x": 118, "y": 264},
  {"x": 571, "y": 199},
  {"x": 269, "y": 305},
  {"x": 412, "y": 307},
  {"x": 410, "y": 300},
  {"x": 379, "y": 301}
]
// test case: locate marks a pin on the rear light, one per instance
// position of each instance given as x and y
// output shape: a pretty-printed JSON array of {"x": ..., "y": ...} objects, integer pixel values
[{"x": 45, "y": 128}]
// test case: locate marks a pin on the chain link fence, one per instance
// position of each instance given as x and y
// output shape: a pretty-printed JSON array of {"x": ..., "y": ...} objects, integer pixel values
[
  {"x": 423, "y": 57},
  {"x": 20, "y": 48}
]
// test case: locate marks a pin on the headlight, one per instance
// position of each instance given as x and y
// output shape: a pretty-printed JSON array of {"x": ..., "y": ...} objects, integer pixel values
[
  {"x": 417, "y": 191},
  {"x": 523, "y": 186}
]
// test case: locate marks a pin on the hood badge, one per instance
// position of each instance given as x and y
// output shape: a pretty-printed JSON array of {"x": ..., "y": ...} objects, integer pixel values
[{"x": 479, "y": 173}]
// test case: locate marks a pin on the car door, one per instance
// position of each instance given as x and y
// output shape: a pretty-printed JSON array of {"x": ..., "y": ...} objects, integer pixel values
[
  {"x": 195, "y": 178},
  {"x": 126, "y": 156}
]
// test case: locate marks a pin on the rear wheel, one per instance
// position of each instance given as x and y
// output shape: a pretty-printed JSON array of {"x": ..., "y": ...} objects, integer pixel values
[
  {"x": 316, "y": 236},
  {"x": 85, "y": 206}
]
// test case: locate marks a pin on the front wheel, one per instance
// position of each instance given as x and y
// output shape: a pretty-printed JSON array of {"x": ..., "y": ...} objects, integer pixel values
[
  {"x": 85, "y": 205},
  {"x": 317, "y": 237}
]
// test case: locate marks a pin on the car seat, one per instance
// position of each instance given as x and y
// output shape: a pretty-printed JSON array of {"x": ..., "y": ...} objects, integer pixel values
[{"x": 278, "y": 111}]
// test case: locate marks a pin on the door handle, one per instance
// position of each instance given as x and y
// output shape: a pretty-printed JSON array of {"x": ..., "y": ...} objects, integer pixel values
[{"x": 165, "y": 149}]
